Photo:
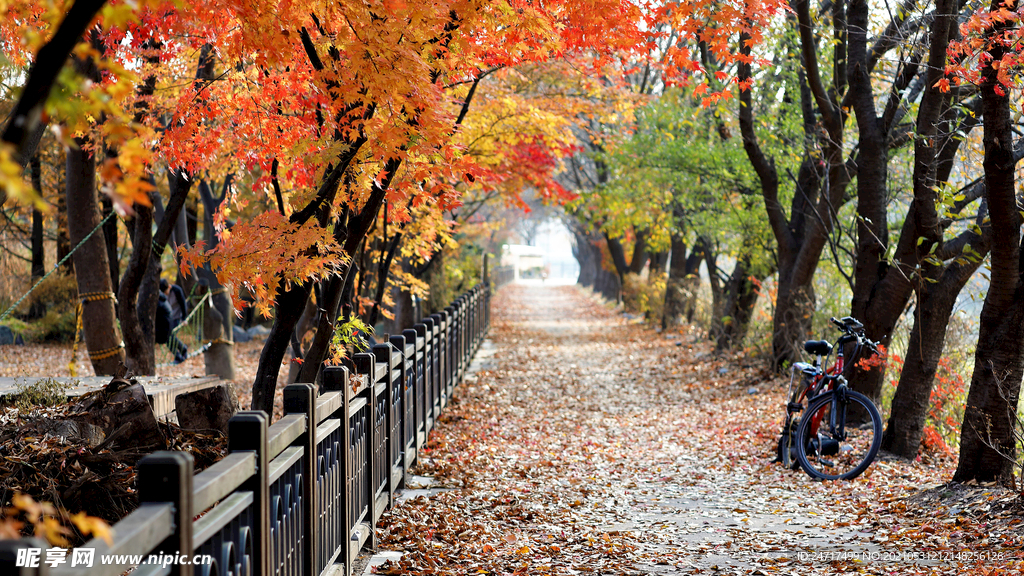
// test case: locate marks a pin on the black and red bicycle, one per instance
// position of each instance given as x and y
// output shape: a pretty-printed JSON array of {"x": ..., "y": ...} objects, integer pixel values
[{"x": 837, "y": 433}]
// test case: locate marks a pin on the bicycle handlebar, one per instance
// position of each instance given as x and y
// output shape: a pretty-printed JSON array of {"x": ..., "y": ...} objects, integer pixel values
[{"x": 853, "y": 327}]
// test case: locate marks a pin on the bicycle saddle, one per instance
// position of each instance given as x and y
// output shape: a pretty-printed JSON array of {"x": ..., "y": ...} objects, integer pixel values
[{"x": 818, "y": 347}]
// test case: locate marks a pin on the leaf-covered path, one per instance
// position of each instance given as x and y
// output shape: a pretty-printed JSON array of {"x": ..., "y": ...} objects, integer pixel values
[{"x": 585, "y": 444}]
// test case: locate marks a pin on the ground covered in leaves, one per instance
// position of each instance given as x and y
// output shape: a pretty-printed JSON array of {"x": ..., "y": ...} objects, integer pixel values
[
  {"x": 589, "y": 445},
  {"x": 97, "y": 480}
]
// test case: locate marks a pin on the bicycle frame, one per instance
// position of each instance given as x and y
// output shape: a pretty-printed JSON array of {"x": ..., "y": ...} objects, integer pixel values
[
  {"x": 831, "y": 375},
  {"x": 824, "y": 380},
  {"x": 805, "y": 434}
]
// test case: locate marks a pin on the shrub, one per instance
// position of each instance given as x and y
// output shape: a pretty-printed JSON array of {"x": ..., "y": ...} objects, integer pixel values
[
  {"x": 644, "y": 296},
  {"x": 58, "y": 292},
  {"x": 45, "y": 392},
  {"x": 50, "y": 311},
  {"x": 54, "y": 326}
]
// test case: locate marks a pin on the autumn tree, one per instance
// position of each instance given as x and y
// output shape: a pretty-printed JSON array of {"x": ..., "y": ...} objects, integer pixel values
[{"x": 992, "y": 53}]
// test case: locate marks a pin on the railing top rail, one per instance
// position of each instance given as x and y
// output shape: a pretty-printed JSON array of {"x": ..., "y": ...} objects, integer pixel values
[
  {"x": 221, "y": 479},
  {"x": 328, "y": 403},
  {"x": 283, "y": 433},
  {"x": 144, "y": 529},
  {"x": 207, "y": 526}
]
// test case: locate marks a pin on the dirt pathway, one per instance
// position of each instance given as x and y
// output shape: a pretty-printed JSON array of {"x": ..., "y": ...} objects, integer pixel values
[{"x": 588, "y": 445}]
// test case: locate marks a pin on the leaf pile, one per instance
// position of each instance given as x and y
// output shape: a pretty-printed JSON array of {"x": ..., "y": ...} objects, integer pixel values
[
  {"x": 75, "y": 477},
  {"x": 591, "y": 445}
]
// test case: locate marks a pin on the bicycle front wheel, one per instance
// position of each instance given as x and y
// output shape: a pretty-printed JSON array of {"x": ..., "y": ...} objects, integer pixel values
[{"x": 828, "y": 445}]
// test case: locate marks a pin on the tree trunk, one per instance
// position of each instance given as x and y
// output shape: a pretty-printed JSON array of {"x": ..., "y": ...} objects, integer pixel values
[
  {"x": 289, "y": 307},
  {"x": 102, "y": 335},
  {"x": 38, "y": 249},
  {"x": 792, "y": 321},
  {"x": 618, "y": 254},
  {"x": 741, "y": 296},
  {"x": 63, "y": 240},
  {"x": 987, "y": 438},
  {"x": 404, "y": 312},
  {"x": 140, "y": 358},
  {"x": 717, "y": 293},
  {"x": 659, "y": 262},
  {"x": 640, "y": 253},
  {"x": 110, "y": 238},
  {"x": 675, "y": 287},
  {"x": 935, "y": 302},
  {"x": 219, "y": 357},
  {"x": 588, "y": 257},
  {"x": 881, "y": 291},
  {"x": 302, "y": 326}
]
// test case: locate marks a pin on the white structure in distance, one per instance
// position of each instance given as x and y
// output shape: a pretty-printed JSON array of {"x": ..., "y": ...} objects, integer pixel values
[{"x": 548, "y": 261}]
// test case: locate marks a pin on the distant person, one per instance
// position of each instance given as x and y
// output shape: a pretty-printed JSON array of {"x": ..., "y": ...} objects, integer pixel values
[
  {"x": 166, "y": 322},
  {"x": 176, "y": 299}
]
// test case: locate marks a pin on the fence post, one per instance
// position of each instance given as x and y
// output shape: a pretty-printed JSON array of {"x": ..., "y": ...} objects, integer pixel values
[
  {"x": 450, "y": 337},
  {"x": 247, "y": 432},
  {"x": 410, "y": 379},
  {"x": 382, "y": 353},
  {"x": 441, "y": 354},
  {"x": 335, "y": 378},
  {"x": 404, "y": 374},
  {"x": 167, "y": 477},
  {"x": 9, "y": 557},
  {"x": 301, "y": 399},
  {"x": 365, "y": 364},
  {"x": 423, "y": 330}
]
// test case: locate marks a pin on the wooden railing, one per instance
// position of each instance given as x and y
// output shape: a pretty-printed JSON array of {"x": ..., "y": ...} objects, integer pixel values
[
  {"x": 502, "y": 275},
  {"x": 300, "y": 497}
]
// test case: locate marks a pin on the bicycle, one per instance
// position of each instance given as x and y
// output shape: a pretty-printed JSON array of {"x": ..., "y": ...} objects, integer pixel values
[{"x": 824, "y": 440}]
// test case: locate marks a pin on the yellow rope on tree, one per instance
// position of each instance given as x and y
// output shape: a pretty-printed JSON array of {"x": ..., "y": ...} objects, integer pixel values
[
  {"x": 106, "y": 353},
  {"x": 82, "y": 299},
  {"x": 96, "y": 296},
  {"x": 74, "y": 349}
]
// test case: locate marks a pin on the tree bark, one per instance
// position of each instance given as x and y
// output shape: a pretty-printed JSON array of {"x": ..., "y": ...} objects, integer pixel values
[
  {"x": 676, "y": 295},
  {"x": 881, "y": 291},
  {"x": 38, "y": 249},
  {"x": 63, "y": 240},
  {"x": 102, "y": 335},
  {"x": 935, "y": 303},
  {"x": 110, "y": 238},
  {"x": 139, "y": 354},
  {"x": 289, "y": 307},
  {"x": 741, "y": 294},
  {"x": 987, "y": 438},
  {"x": 219, "y": 357},
  {"x": 640, "y": 253}
]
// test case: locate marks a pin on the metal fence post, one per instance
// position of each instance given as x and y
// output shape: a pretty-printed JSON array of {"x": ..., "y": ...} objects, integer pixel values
[
  {"x": 382, "y": 352},
  {"x": 365, "y": 364},
  {"x": 247, "y": 432},
  {"x": 404, "y": 374},
  {"x": 301, "y": 399},
  {"x": 411, "y": 335},
  {"x": 335, "y": 378},
  {"x": 167, "y": 477}
]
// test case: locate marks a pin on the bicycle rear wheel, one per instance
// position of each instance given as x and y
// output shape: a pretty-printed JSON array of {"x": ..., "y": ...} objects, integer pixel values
[
  {"x": 830, "y": 449},
  {"x": 785, "y": 452}
]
